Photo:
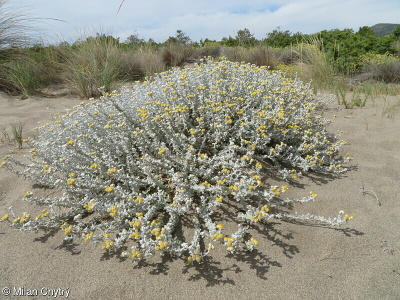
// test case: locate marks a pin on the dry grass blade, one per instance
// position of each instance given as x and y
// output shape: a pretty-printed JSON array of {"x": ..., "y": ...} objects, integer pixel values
[
  {"x": 119, "y": 8},
  {"x": 371, "y": 193}
]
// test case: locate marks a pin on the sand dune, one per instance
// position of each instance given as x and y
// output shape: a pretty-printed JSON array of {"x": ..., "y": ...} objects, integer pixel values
[{"x": 358, "y": 260}]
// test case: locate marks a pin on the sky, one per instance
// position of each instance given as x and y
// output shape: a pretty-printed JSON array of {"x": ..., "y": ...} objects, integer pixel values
[{"x": 200, "y": 19}]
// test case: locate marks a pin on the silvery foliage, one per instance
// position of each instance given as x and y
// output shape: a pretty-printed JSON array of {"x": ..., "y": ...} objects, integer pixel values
[{"x": 132, "y": 167}]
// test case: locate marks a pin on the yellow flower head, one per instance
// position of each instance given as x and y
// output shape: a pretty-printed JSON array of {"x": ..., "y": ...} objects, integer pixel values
[
  {"x": 111, "y": 170},
  {"x": 109, "y": 189},
  {"x": 94, "y": 165},
  {"x": 5, "y": 217},
  {"x": 71, "y": 181}
]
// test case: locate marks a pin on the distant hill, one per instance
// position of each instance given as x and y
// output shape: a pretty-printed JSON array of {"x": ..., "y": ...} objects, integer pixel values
[{"x": 382, "y": 29}]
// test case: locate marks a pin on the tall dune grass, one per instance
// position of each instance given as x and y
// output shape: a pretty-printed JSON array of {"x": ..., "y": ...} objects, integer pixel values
[
  {"x": 15, "y": 33},
  {"x": 317, "y": 67},
  {"x": 174, "y": 55},
  {"x": 149, "y": 60},
  {"x": 92, "y": 64}
]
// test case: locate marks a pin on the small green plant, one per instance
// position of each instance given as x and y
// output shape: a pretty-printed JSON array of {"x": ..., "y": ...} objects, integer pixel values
[
  {"x": 366, "y": 90},
  {"x": 5, "y": 136},
  {"x": 341, "y": 90},
  {"x": 17, "y": 129},
  {"x": 357, "y": 99}
]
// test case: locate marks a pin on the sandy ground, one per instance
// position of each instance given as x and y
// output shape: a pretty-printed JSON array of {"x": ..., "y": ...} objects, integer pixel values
[{"x": 358, "y": 260}]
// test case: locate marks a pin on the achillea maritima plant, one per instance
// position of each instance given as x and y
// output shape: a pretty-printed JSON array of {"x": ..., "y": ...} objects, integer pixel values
[{"x": 133, "y": 167}]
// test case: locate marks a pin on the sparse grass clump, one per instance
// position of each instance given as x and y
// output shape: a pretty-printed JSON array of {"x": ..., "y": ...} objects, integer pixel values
[
  {"x": 174, "y": 55},
  {"x": 384, "y": 68},
  {"x": 149, "y": 60},
  {"x": 94, "y": 63},
  {"x": 152, "y": 168},
  {"x": 15, "y": 33},
  {"x": 17, "y": 129},
  {"x": 5, "y": 137}
]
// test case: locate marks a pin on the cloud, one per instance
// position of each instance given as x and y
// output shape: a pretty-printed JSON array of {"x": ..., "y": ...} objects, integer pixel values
[{"x": 210, "y": 19}]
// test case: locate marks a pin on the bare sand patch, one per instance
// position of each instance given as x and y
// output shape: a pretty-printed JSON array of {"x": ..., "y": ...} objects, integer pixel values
[{"x": 359, "y": 260}]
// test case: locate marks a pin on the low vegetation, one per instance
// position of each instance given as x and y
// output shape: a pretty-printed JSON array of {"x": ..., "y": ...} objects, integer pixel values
[{"x": 328, "y": 58}]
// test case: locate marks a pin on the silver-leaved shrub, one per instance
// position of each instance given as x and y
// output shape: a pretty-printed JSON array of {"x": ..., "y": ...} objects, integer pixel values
[{"x": 131, "y": 168}]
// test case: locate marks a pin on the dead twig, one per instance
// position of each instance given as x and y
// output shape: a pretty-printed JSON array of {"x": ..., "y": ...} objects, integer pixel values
[{"x": 371, "y": 193}]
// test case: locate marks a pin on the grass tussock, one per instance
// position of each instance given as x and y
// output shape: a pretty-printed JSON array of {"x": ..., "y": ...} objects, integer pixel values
[
  {"x": 149, "y": 60},
  {"x": 94, "y": 63},
  {"x": 174, "y": 55},
  {"x": 15, "y": 34}
]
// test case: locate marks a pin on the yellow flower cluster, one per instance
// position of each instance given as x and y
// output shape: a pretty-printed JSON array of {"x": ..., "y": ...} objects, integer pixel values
[
  {"x": 67, "y": 229},
  {"x": 195, "y": 257},
  {"x": 89, "y": 206},
  {"x": 348, "y": 217},
  {"x": 260, "y": 214},
  {"x": 219, "y": 199},
  {"x": 5, "y": 217},
  {"x": 232, "y": 189},
  {"x": 111, "y": 170},
  {"x": 109, "y": 189},
  {"x": 70, "y": 142},
  {"x": 135, "y": 254},
  {"x": 43, "y": 213},
  {"x": 228, "y": 242},
  {"x": 25, "y": 218},
  {"x": 161, "y": 245},
  {"x": 71, "y": 181},
  {"x": 94, "y": 166},
  {"x": 158, "y": 232},
  {"x": 88, "y": 236},
  {"x": 253, "y": 241},
  {"x": 138, "y": 199},
  {"x": 217, "y": 236},
  {"x": 135, "y": 224},
  {"x": 113, "y": 211},
  {"x": 293, "y": 174},
  {"x": 108, "y": 244},
  {"x": 46, "y": 169},
  {"x": 28, "y": 194}
]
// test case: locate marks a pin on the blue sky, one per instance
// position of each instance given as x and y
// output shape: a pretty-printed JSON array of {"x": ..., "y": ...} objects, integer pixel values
[{"x": 200, "y": 19}]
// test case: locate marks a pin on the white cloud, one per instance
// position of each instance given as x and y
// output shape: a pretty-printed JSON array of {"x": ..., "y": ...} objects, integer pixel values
[{"x": 208, "y": 19}]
